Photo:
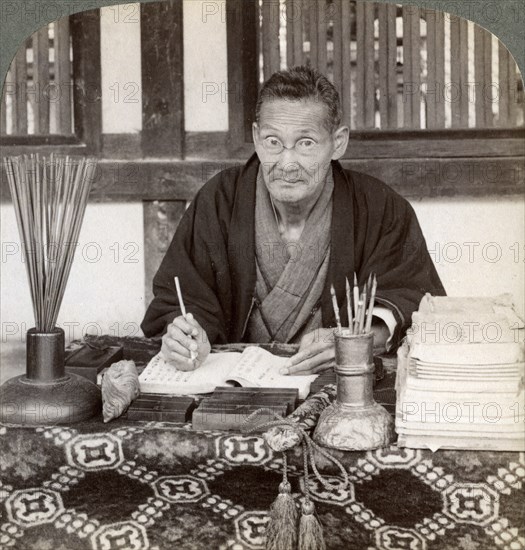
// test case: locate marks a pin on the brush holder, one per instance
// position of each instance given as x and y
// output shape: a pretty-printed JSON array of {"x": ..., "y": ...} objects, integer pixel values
[
  {"x": 354, "y": 422},
  {"x": 45, "y": 355},
  {"x": 46, "y": 394}
]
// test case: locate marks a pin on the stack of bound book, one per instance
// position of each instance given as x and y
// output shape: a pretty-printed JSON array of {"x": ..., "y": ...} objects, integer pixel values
[
  {"x": 228, "y": 408},
  {"x": 460, "y": 376}
]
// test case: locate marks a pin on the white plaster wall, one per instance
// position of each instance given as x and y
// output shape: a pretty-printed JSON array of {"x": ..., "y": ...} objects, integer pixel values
[
  {"x": 121, "y": 69},
  {"x": 205, "y": 66},
  {"x": 478, "y": 245},
  {"x": 106, "y": 285}
]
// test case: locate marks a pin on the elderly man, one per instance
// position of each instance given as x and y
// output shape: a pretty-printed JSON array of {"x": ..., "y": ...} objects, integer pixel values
[{"x": 259, "y": 247}]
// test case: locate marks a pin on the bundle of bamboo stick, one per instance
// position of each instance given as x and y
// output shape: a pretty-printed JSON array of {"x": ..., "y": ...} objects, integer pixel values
[
  {"x": 359, "y": 304},
  {"x": 49, "y": 196}
]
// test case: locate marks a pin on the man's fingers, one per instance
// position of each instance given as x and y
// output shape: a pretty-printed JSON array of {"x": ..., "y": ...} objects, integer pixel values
[
  {"x": 185, "y": 325},
  {"x": 185, "y": 366},
  {"x": 303, "y": 368},
  {"x": 310, "y": 351},
  {"x": 179, "y": 361},
  {"x": 192, "y": 321},
  {"x": 174, "y": 334},
  {"x": 185, "y": 345},
  {"x": 308, "y": 369},
  {"x": 174, "y": 346},
  {"x": 312, "y": 365},
  {"x": 323, "y": 367}
]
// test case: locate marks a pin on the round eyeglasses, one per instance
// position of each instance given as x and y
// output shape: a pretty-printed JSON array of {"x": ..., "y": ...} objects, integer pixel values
[{"x": 303, "y": 146}]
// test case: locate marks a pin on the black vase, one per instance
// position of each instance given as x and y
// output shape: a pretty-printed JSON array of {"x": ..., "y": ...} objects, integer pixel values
[{"x": 46, "y": 394}]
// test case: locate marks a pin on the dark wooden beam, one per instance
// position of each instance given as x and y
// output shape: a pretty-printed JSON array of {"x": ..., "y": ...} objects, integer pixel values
[
  {"x": 411, "y": 177},
  {"x": 85, "y": 34},
  {"x": 30, "y": 141},
  {"x": 420, "y": 178},
  {"x": 241, "y": 29},
  {"x": 121, "y": 146},
  {"x": 162, "y": 79},
  {"x": 362, "y": 145},
  {"x": 206, "y": 145},
  {"x": 400, "y": 144},
  {"x": 153, "y": 180}
]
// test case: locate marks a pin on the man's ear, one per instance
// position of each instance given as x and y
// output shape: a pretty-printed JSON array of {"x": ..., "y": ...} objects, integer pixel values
[
  {"x": 255, "y": 129},
  {"x": 340, "y": 142}
]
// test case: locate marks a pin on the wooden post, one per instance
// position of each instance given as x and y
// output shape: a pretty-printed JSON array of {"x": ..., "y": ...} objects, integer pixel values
[
  {"x": 337, "y": 23},
  {"x": 19, "y": 76},
  {"x": 387, "y": 65},
  {"x": 483, "y": 77},
  {"x": 40, "y": 80},
  {"x": 298, "y": 18},
  {"x": 365, "y": 82},
  {"x": 411, "y": 68},
  {"x": 162, "y": 79},
  {"x": 85, "y": 34},
  {"x": 435, "y": 101},
  {"x": 459, "y": 71},
  {"x": 243, "y": 73},
  {"x": 290, "y": 34},
  {"x": 321, "y": 36},
  {"x": 508, "y": 88},
  {"x": 3, "y": 110},
  {"x": 313, "y": 15},
  {"x": 63, "y": 75},
  {"x": 161, "y": 219},
  {"x": 346, "y": 87},
  {"x": 270, "y": 30}
]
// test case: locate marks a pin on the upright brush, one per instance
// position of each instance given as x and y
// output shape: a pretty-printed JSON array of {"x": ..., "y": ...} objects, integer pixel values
[{"x": 49, "y": 197}]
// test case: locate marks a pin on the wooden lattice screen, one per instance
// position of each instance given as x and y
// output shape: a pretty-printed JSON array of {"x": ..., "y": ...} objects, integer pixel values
[
  {"x": 37, "y": 97},
  {"x": 395, "y": 66}
]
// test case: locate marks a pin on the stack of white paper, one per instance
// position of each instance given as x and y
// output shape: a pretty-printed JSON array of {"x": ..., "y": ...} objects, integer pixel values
[{"x": 460, "y": 376}]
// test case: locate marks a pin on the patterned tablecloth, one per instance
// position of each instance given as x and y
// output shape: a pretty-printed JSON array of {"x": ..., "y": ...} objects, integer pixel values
[{"x": 157, "y": 485}]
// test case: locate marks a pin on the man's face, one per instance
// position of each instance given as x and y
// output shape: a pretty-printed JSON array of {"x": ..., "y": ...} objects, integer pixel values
[{"x": 295, "y": 148}]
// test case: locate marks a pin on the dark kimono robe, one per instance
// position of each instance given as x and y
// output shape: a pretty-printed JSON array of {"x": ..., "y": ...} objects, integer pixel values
[{"x": 213, "y": 253}]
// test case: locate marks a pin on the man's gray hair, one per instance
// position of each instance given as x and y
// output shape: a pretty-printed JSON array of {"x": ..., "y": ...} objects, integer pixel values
[{"x": 301, "y": 83}]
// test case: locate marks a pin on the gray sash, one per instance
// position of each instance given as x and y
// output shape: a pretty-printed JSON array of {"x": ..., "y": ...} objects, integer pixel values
[{"x": 290, "y": 277}]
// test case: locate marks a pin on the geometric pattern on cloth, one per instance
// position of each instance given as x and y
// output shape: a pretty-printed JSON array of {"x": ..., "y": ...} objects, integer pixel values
[{"x": 159, "y": 486}]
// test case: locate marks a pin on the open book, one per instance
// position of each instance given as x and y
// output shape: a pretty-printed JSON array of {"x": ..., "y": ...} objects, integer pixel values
[{"x": 254, "y": 367}]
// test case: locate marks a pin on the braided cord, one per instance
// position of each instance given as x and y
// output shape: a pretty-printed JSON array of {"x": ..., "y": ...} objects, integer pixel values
[
  {"x": 305, "y": 462},
  {"x": 309, "y": 447},
  {"x": 285, "y": 467}
]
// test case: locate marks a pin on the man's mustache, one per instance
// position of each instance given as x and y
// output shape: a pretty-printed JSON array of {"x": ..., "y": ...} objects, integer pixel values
[{"x": 294, "y": 172}]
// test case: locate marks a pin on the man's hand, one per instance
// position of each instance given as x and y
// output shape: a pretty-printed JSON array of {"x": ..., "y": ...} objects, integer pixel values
[
  {"x": 316, "y": 354},
  {"x": 185, "y": 335},
  {"x": 317, "y": 350}
]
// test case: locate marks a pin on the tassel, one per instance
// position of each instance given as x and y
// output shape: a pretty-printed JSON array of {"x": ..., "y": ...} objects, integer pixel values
[
  {"x": 310, "y": 530},
  {"x": 281, "y": 533}
]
